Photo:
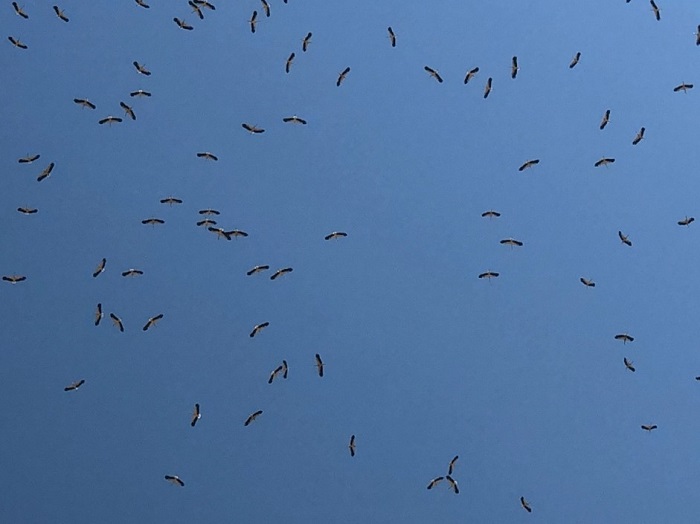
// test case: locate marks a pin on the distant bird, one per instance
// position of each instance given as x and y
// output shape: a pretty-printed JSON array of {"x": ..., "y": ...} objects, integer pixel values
[
  {"x": 28, "y": 159},
  {"x": 196, "y": 415},
  {"x": 132, "y": 273},
  {"x": 74, "y": 385},
  {"x": 697, "y": 36},
  {"x": 294, "y": 119},
  {"x": 624, "y": 239},
  {"x": 152, "y": 322},
  {"x": 209, "y": 212},
  {"x": 252, "y": 417},
  {"x": 110, "y": 120},
  {"x": 281, "y": 272},
  {"x": 285, "y": 369},
  {"x": 487, "y": 89},
  {"x": 624, "y": 337},
  {"x": 586, "y": 282},
  {"x": 574, "y": 60},
  {"x": 451, "y": 466},
  {"x": 470, "y": 74},
  {"x": 196, "y": 9},
  {"x": 100, "y": 267},
  {"x": 142, "y": 4},
  {"x": 98, "y": 314},
  {"x": 511, "y": 242},
  {"x": 153, "y": 221},
  {"x": 683, "y": 87},
  {"x": 525, "y": 504},
  {"x": 235, "y": 233},
  {"x": 657, "y": 12},
  {"x": 208, "y": 156},
  {"x": 319, "y": 365},
  {"x": 529, "y": 163},
  {"x": 638, "y": 137},
  {"x": 604, "y": 161},
  {"x": 141, "y": 68},
  {"x": 60, "y": 13},
  {"x": 253, "y": 21},
  {"x": 490, "y": 214},
  {"x": 342, "y": 76},
  {"x": 605, "y": 120},
  {"x": 14, "y": 279},
  {"x": 435, "y": 482},
  {"x": 140, "y": 93},
  {"x": 252, "y": 129},
  {"x": 273, "y": 375},
  {"x": 45, "y": 173},
  {"x": 257, "y": 269},
  {"x": 17, "y": 43},
  {"x": 649, "y": 427},
  {"x": 432, "y": 72},
  {"x": 182, "y": 24},
  {"x": 170, "y": 201},
  {"x": 117, "y": 321},
  {"x": 205, "y": 3},
  {"x": 351, "y": 446},
  {"x": 27, "y": 210},
  {"x": 220, "y": 232},
  {"x": 288, "y": 63},
  {"x": 305, "y": 42},
  {"x": 84, "y": 102},
  {"x": 514, "y": 67},
  {"x": 392, "y": 36},
  {"x": 489, "y": 275},
  {"x": 19, "y": 11},
  {"x": 686, "y": 221},
  {"x": 207, "y": 222},
  {"x": 257, "y": 329},
  {"x": 173, "y": 479},
  {"x": 266, "y": 7},
  {"x": 453, "y": 483},
  {"x": 628, "y": 364},
  {"x": 335, "y": 235},
  {"x": 128, "y": 110}
]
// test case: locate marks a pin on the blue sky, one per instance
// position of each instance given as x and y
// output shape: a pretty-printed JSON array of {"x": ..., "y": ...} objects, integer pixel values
[{"x": 521, "y": 376}]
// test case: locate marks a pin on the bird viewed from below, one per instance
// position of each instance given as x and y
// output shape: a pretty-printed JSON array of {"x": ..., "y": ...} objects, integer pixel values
[
  {"x": 279, "y": 369},
  {"x": 351, "y": 446},
  {"x": 528, "y": 164},
  {"x": 153, "y": 221},
  {"x": 205, "y": 3},
  {"x": 74, "y": 385},
  {"x": 335, "y": 235},
  {"x": 142, "y": 4},
  {"x": 470, "y": 74},
  {"x": 511, "y": 242},
  {"x": 252, "y": 129},
  {"x": 132, "y": 273},
  {"x": 452, "y": 484},
  {"x": 319, "y": 365},
  {"x": 152, "y": 322},
  {"x": 14, "y": 279},
  {"x": 624, "y": 239},
  {"x": 17, "y": 43},
  {"x": 514, "y": 67},
  {"x": 586, "y": 282},
  {"x": 60, "y": 13},
  {"x": 100, "y": 267},
  {"x": 638, "y": 137},
  {"x": 605, "y": 120},
  {"x": 196, "y": 9},
  {"x": 28, "y": 210},
  {"x": 489, "y": 275},
  {"x": 341, "y": 76},
  {"x": 433, "y": 72},
  {"x": 46, "y": 172},
  {"x": 141, "y": 69},
  {"x": 117, "y": 322},
  {"x": 128, "y": 110},
  {"x": 110, "y": 120},
  {"x": 98, "y": 314},
  {"x": 28, "y": 159},
  {"x": 604, "y": 161},
  {"x": 288, "y": 63},
  {"x": 452, "y": 464},
  {"x": 697, "y": 36},
  {"x": 682, "y": 87},
  {"x": 294, "y": 119},
  {"x": 649, "y": 427},
  {"x": 686, "y": 221},
  {"x": 392, "y": 36},
  {"x": 281, "y": 272},
  {"x": 525, "y": 504},
  {"x": 628, "y": 364},
  {"x": 174, "y": 479},
  {"x": 487, "y": 88},
  {"x": 624, "y": 337},
  {"x": 182, "y": 24},
  {"x": 206, "y": 155},
  {"x": 170, "y": 201},
  {"x": 305, "y": 42},
  {"x": 575, "y": 60},
  {"x": 258, "y": 328},
  {"x": 139, "y": 93},
  {"x": 435, "y": 482},
  {"x": 219, "y": 232},
  {"x": 266, "y": 7},
  {"x": 196, "y": 415},
  {"x": 84, "y": 102},
  {"x": 657, "y": 12},
  {"x": 19, "y": 11},
  {"x": 257, "y": 269},
  {"x": 490, "y": 214},
  {"x": 253, "y": 21},
  {"x": 252, "y": 417}
]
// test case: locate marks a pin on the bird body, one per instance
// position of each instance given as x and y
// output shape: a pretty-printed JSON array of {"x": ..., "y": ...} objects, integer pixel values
[
  {"x": 392, "y": 36},
  {"x": 470, "y": 74},
  {"x": 433, "y": 72},
  {"x": 638, "y": 137},
  {"x": 281, "y": 272},
  {"x": 487, "y": 88},
  {"x": 351, "y": 445},
  {"x": 257, "y": 329},
  {"x": 586, "y": 282},
  {"x": 624, "y": 337},
  {"x": 117, "y": 322},
  {"x": 605, "y": 120},
  {"x": 341, "y": 76},
  {"x": 252, "y": 417},
  {"x": 257, "y": 269},
  {"x": 335, "y": 235},
  {"x": 74, "y": 385},
  {"x": 529, "y": 164},
  {"x": 196, "y": 415},
  {"x": 624, "y": 239},
  {"x": 319, "y": 365},
  {"x": 175, "y": 480},
  {"x": 152, "y": 322},
  {"x": 514, "y": 68},
  {"x": 628, "y": 364},
  {"x": 574, "y": 60},
  {"x": 525, "y": 504}
]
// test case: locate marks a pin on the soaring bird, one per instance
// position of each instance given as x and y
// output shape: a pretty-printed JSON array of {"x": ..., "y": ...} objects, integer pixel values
[
  {"x": 28, "y": 159},
  {"x": 655, "y": 9},
  {"x": 451, "y": 466},
  {"x": 235, "y": 233},
  {"x": 586, "y": 282},
  {"x": 170, "y": 201},
  {"x": 529, "y": 163},
  {"x": 132, "y": 273},
  {"x": 432, "y": 72},
  {"x": 117, "y": 321},
  {"x": 207, "y": 222},
  {"x": 294, "y": 119},
  {"x": 128, "y": 110},
  {"x": 220, "y": 232},
  {"x": 683, "y": 87},
  {"x": 100, "y": 267},
  {"x": 489, "y": 275},
  {"x": 574, "y": 60},
  {"x": 174, "y": 479},
  {"x": 84, "y": 102},
  {"x": 19, "y": 11},
  {"x": 392, "y": 36},
  {"x": 110, "y": 120},
  {"x": 352, "y": 446},
  {"x": 13, "y": 279},
  {"x": 27, "y": 210},
  {"x": 266, "y": 7},
  {"x": 279, "y": 369},
  {"x": 525, "y": 504},
  {"x": 17, "y": 43},
  {"x": 648, "y": 427},
  {"x": 141, "y": 68},
  {"x": 281, "y": 272},
  {"x": 335, "y": 235},
  {"x": 205, "y": 3},
  {"x": 604, "y": 161},
  {"x": 605, "y": 120},
  {"x": 140, "y": 93},
  {"x": 342, "y": 76},
  {"x": 252, "y": 417},
  {"x": 490, "y": 214},
  {"x": 514, "y": 67},
  {"x": 628, "y": 364},
  {"x": 142, "y": 4},
  {"x": 624, "y": 239},
  {"x": 60, "y": 13},
  {"x": 98, "y": 314},
  {"x": 288, "y": 63},
  {"x": 252, "y": 129},
  {"x": 196, "y": 9},
  {"x": 624, "y": 337},
  {"x": 470, "y": 74},
  {"x": 182, "y": 24},
  {"x": 153, "y": 221},
  {"x": 638, "y": 137},
  {"x": 253, "y": 21},
  {"x": 74, "y": 385},
  {"x": 686, "y": 221},
  {"x": 206, "y": 155},
  {"x": 45, "y": 173},
  {"x": 152, "y": 321},
  {"x": 209, "y": 212},
  {"x": 285, "y": 369},
  {"x": 511, "y": 242},
  {"x": 453, "y": 484},
  {"x": 305, "y": 42},
  {"x": 196, "y": 415},
  {"x": 257, "y": 329},
  {"x": 487, "y": 89},
  {"x": 434, "y": 482},
  {"x": 697, "y": 36},
  {"x": 319, "y": 365},
  {"x": 257, "y": 269}
]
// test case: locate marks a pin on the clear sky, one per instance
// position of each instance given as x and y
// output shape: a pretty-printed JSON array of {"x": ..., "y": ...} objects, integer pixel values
[{"x": 520, "y": 376}]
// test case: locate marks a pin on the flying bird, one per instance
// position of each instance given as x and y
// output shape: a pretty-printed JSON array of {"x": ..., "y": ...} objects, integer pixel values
[
  {"x": 236, "y": 233},
  {"x": 100, "y": 267},
  {"x": 182, "y": 24},
  {"x": 170, "y": 201},
  {"x": 294, "y": 119},
  {"x": 196, "y": 9},
  {"x": 628, "y": 364},
  {"x": 205, "y": 3},
  {"x": 604, "y": 161},
  {"x": 257, "y": 329},
  {"x": 132, "y": 273},
  {"x": 487, "y": 89},
  {"x": 657, "y": 12},
  {"x": 257, "y": 269},
  {"x": 279, "y": 369},
  {"x": 514, "y": 67},
  {"x": 686, "y": 221},
  {"x": 624, "y": 239},
  {"x": 173, "y": 479},
  {"x": 319, "y": 365},
  {"x": 13, "y": 279},
  {"x": 697, "y": 36},
  {"x": 209, "y": 212},
  {"x": 586, "y": 282},
  {"x": 624, "y": 337},
  {"x": 352, "y": 446},
  {"x": 305, "y": 42},
  {"x": 528, "y": 164},
  {"x": 288, "y": 63},
  {"x": 432, "y": 72},
  {"x": 140, "y": 93},
  {"x": 110, "y": 120},
  {"x": 206, "y": 155},
  {"x": 638, "y": 137},
  {"x": 117, "y": 321},
  {"x": 74, "y": 385},
  {"x": 253, "y": 21},
  {"x": 252, "y": 417},
  {"x": 453, "y": 483},
  {"x": 489, "y": 275},
  {"x": 220, "y": 232},
  {"x": 98, "y": 314},
  {"x": 470, "y": 74},
  {"x": 281, "y": 272},
  {"x": 252, "y": 129},
  {"x": 491, "y": 214},
  {"x": 141, "y": 68},
  {"x": 19, "y": 11},
  {"x": 649, "y": 427},
  {"x": 511, "y": 242},
  {"x": 84, "y": 102},
  {"x": 142, "y": 4},
  {"x": 266, "y": 7},
  {"x": 574, "y": 60},
  {"x": 434, "y": 482},
  {"x": 28, "y": 159},
  {"x": 128, "y": 110},
  {"x": 45, "y": 173},
  {"x": 451, "y": 466},
  {"x": 27, "y": 210},
  {"x": 392, "y": 36},
  {"x": 60, "y": 13},
  {"x": 153, "y": 221},
  {"x": 196, "y": 415},
  {"x": 152, "y": 321},
  {"x": 683, "y": 87},
  {"x": 525, "y": 504},
  {"x": 605, "y": 120},
  {"x": 285, "y": 369},
  {"x": 206, "y": 222},
  {"x": 342, "y": 76},
  {"x": 335, "y": 235},
  {"x": 17, "y": 43}
]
